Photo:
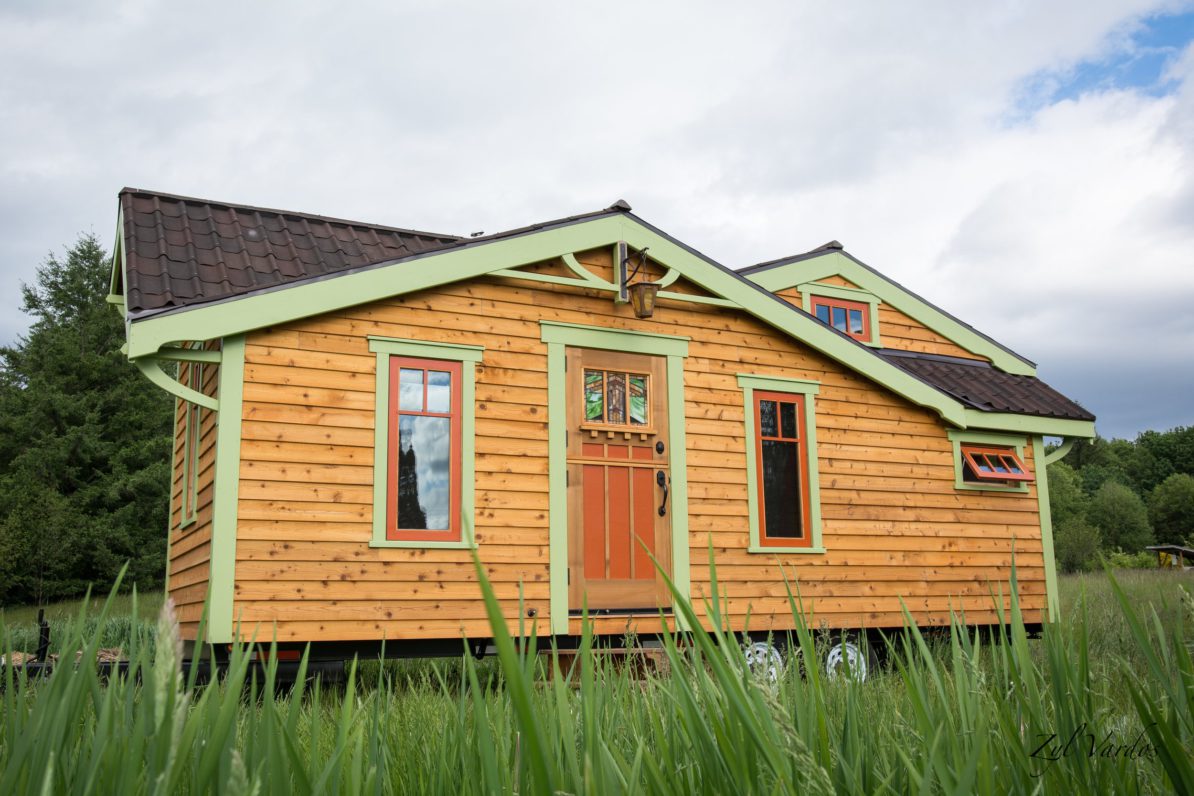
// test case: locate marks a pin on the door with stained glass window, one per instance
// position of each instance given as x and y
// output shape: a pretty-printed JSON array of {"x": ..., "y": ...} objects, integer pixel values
[{"x": 619, "y": 514}]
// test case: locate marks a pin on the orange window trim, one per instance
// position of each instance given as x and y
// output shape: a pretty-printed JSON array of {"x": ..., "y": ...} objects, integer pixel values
[
  {"x": 805, "y": 538},
  {"x": 847, "y": 305},
  {"x": 452, "y": 533},
  {"x": 989, "y": 458}
]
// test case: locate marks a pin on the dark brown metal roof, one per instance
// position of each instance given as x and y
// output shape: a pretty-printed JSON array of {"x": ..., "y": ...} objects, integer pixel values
[
  {"x": 988, "y": 389},
  {"x": 182, "y": 251}
]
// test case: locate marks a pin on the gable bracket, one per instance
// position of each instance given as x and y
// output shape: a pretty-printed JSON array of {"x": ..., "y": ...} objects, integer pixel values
[{"x": 151, "y": 366}]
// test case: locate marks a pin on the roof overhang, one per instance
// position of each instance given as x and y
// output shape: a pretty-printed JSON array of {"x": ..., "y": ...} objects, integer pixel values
[{"x": 149, "y": 333}]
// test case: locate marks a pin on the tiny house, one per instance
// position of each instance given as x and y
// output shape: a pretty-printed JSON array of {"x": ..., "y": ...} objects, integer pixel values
[{"x": 360, "y": 409}]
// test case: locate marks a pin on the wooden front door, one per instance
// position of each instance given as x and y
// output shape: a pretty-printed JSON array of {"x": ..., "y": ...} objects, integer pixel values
[{"x": 618, "y": 481}]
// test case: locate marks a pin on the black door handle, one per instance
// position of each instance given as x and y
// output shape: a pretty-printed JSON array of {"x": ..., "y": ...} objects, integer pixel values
[{"x": 661, "y": 479}]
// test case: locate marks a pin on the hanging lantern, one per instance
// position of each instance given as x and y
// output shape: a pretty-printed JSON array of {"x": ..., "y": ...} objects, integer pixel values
[{"x": 642, "y": 298}]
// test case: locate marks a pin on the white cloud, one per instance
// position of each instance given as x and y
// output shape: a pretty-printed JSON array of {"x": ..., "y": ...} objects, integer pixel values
[{"x": 916, "y": 135}]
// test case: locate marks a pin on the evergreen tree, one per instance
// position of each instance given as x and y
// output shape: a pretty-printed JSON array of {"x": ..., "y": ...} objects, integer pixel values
[{"x": 84, "y": 442}]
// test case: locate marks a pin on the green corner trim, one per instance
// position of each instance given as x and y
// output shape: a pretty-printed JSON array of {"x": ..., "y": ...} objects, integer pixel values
[
  {"x": 1039, "y": 461},
  {"x": 959, "y": 438},
  {"x": 1028, "y": 424},
  {"x": 749, "y": 383},
  {"x": 468, "y": 356},
  {"x": 558, "y": 337},
  {"x": 838, "y": 264},
  {"x": 225, "y": 508},
  {"x": 810, "y": 289}
]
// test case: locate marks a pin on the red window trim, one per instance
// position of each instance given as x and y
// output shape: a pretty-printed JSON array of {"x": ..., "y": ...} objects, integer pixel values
[
  {"x": 846, "y": 304},
  {"x": 393, "y": 533},
  {"x": 806, "y": 537},
  {"x": 992, "y": 455}
]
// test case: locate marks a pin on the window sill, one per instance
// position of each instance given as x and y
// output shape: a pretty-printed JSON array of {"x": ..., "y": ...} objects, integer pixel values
[
  {"x": 1021, "y": 488},
  {"x": 416, "y": 544},
  {"x": 785, "y": 550}
]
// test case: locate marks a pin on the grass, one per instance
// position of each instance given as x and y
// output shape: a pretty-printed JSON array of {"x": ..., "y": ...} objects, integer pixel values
[{"x": 950, "y": 716}]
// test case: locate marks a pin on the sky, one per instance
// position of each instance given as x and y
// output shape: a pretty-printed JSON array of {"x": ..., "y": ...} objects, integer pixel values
[{"x": 1027, "y": 167}]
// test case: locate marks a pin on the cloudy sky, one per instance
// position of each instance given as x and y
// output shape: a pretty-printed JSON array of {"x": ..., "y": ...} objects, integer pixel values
[{"x": 1030, "y": 169}]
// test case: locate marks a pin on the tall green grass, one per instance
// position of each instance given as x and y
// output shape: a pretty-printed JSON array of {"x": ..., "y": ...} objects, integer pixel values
[{"x": 962, "y": 715}]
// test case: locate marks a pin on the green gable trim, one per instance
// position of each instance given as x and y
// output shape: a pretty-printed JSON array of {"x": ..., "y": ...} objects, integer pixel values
[
  {"x": 960, "y": 438},
  {"x": 1028, "y": 424},
  {"x": 147, "y": 335},
  {"x": 227, "y": 492},
  {"x": 468, "y": 356},
  {"x": 749, "y": 383},
  {"x": 1046, "y": 517},
  {"x": 810, "y": 289},
  {"x": 559, "y": 336},
  {"x": 835, "y": 263}
]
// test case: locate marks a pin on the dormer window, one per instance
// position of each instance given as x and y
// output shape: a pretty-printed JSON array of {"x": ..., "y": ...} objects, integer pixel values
[{"x": 851, "y": 317}]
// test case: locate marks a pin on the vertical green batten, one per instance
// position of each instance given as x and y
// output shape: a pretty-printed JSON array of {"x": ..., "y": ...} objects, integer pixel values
[
  {"x": 557, "y": 468},
  {"x": 1046, "y": 517},
  {"x": 227, "y": 491}
]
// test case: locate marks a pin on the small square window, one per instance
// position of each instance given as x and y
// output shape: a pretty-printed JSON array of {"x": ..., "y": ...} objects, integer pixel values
[
  {"x": 849, "y": 317},
  {"x": 989, "y": 465}
]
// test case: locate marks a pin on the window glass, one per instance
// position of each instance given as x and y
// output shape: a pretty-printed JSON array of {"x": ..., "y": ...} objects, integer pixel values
[
  {"x": 844, "y": 315},
  {"x": 787, "y": 420},
  {"x": 594, "y": 395},
  {"x": 767, "y": 419},
  {"x": 855, "y": 322},
  {"x": 822, "y": 313},
  {"x": 615, "y": 396},
  {"x": 410, "y": 390},
  {"x": 839, "y": 318},
  {"x": 781, "y": 489},
  {"x": 638, "y": 400},
  {"x": 439, "y": 391}
]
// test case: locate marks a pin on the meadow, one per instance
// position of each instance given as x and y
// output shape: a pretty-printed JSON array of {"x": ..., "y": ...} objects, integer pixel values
[{"x": 1102, "y": 702}]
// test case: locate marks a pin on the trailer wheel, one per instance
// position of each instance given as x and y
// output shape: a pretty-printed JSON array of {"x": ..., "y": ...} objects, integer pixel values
[
  {"x": 764, "y": 659},
  {"x": 850, "y": 656}
]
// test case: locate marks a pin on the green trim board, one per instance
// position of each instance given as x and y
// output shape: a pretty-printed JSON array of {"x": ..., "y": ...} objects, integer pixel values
[
  {"x": 835, "y": 263},
  {"x": 750, "y": 382},
  {"x": 1046, "y": 518},
  {"x": 148, "y": 334},
  {"x": 227, "y": 491},
  {"x": 1028, "y": 424},
  {"x": 151, "y": 367},
  {"x": 468, "y": 356},
  {"x": 959, "y": 438},
  {"x": 558, "y": 337},
  {"x": 1060, "y": 452},
  {"x": 810, "y": 289}
]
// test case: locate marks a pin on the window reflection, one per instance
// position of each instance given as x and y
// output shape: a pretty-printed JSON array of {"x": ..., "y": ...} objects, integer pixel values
[{"x": 424, "y": 473}]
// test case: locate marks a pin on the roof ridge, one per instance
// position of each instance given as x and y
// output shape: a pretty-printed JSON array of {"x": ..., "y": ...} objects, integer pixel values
[{"x": 278, "y": 211}]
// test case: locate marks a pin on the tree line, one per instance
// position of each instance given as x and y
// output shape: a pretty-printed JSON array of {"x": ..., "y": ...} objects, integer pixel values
[{"x": 1111, "y": 498}]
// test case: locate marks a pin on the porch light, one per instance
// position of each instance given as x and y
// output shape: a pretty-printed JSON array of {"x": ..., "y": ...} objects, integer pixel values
[
  {"x": 641, "y": 294},
  {"x": 642, "y": 298}
]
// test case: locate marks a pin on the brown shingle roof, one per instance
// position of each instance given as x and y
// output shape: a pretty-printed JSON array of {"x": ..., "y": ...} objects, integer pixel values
[
  {"x": 982, "y": 387},
  {"x": 182, "y": 251}
]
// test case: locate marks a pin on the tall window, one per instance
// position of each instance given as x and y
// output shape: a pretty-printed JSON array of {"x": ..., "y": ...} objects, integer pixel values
[
  {"x": 851, "y": 317},
  {"x": 424, "y": 474},
  {"x": 781, "y": 451}
]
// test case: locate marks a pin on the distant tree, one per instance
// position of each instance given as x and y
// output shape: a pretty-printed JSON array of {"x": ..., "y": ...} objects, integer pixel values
[
  {"x": 1067, "y": 500},
  {"x": 84, "y": 442},
  {"x": 1171, "y": 509},
  {"x": 1121, "y": 517},
  {"x": 1076, "y": 544}
]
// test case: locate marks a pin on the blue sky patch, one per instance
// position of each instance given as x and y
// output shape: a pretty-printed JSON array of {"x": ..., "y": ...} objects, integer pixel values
[{"x": 1137, "y": 61}]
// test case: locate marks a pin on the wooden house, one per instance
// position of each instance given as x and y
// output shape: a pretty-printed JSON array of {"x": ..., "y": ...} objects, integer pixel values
[{"x": 360, "y": 408}]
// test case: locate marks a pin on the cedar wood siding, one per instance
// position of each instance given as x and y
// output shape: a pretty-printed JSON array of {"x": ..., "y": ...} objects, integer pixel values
[
  {"x": 894, "y": 524},
  {"x": 896, "y": 329},
  {"x": 190, "y": 547}
]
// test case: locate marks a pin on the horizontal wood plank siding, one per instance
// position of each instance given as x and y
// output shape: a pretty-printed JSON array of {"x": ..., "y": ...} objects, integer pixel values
[{"x": 894, "y": 524}]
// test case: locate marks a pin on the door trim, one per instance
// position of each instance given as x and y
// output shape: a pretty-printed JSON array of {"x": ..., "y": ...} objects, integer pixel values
[{"x": 674, "y": 349}]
